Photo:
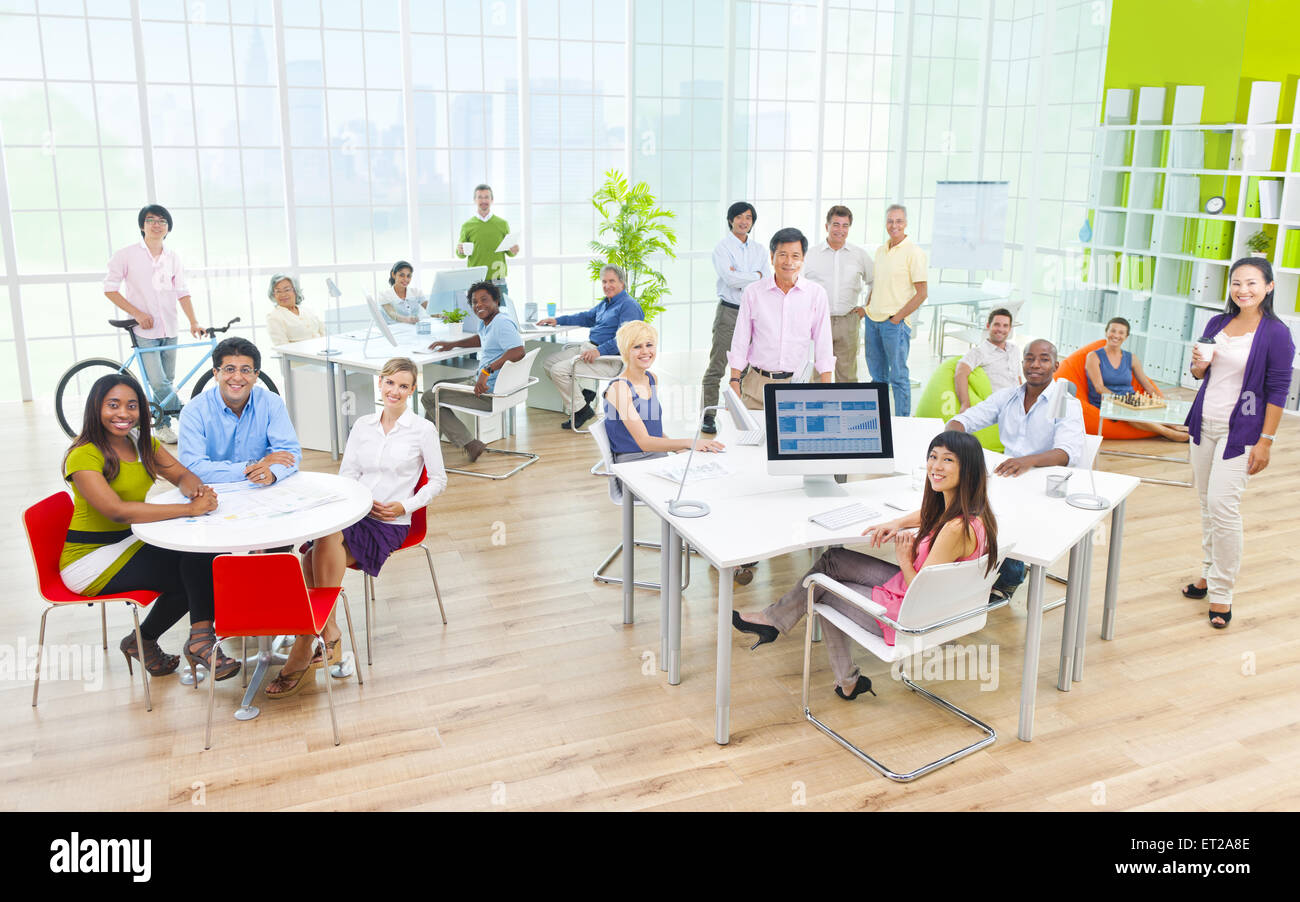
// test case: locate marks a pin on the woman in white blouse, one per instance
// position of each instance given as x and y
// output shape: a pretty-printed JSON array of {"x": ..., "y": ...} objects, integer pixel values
[
  {"x": 288, "y": 321},
  {"x": 401, "y": 300},
  {"x": 385, "y": 453}
]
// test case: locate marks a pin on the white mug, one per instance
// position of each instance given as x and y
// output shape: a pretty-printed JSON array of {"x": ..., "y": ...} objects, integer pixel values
[
  {"x": 1207, "y": 350},
  {"x": 467, "y": 247}
]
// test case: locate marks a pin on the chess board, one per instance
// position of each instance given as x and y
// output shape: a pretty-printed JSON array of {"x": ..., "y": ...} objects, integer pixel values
[{"x": 1138, "y": 401}]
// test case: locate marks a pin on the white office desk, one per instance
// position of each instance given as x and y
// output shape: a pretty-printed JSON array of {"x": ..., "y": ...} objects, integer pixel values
[
  {"x": 755, "y": 516},
  {"x": 354, "y": 352}
]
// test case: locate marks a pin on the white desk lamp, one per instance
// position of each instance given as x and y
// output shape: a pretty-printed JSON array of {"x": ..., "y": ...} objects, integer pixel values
[
  {"x": 335, "y": 294},
  {"x": 677, "y": 507},
  {"x": 1081, "y": 500}
]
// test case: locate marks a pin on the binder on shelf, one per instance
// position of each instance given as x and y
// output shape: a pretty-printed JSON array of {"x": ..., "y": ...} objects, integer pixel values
[
  {"x": 1252, "y": 198},
  {"x": 1270, "y": 198}
]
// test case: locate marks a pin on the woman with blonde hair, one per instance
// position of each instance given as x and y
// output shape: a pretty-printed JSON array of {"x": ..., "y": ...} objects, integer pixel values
[
  {"x": 633, "y": 414},
  {"x": 385, "y": 453}
]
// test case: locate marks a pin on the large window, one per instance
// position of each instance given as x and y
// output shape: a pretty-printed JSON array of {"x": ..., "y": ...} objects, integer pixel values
[{"x": 333, "y": 137}]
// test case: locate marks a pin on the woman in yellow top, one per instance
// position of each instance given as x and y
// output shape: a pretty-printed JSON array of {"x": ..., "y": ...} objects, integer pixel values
[{"x": 112, "y": 465}]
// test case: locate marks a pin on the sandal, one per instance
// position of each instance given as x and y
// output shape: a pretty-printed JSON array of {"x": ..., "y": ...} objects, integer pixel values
[
  {"x": 288, "y": 683},
  {"x": 1225, "y": 616},
  {"x": 156, "y": 661},
  {"x": 1191, "y": 591},
  {"x": 207, "y": 647},
  {"x": 334, "y": 653}
]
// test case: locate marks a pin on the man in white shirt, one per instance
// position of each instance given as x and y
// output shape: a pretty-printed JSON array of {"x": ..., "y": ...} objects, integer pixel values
[
  {"x": 998, "y": 356},
  {"x": 843, "y": 269},
  {"x": 1031, "y": 435},
  {"x": 738, "y": 263}
]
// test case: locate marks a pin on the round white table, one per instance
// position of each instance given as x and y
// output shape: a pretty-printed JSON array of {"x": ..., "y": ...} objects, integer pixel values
[{"x": 302, "y": 507}]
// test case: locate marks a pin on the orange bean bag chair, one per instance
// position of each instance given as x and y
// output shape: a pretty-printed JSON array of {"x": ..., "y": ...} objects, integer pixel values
[{"x": 1072, "y": 368}]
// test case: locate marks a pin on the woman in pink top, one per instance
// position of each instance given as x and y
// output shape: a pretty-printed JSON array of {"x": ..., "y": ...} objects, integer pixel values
[{"x": 955, "y": 523}]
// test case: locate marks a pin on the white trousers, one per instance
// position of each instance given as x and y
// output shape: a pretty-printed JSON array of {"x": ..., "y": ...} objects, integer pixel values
[{"x": 1219, "y": 484}]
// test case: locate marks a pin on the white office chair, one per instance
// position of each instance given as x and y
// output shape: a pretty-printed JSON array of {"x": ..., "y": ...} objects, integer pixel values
[
  {"x": 574, "y": 377},
  {"x": 511, "y": 390},
  {"x": 598, "y": 433},
  {"x": 943, "y": 603}
]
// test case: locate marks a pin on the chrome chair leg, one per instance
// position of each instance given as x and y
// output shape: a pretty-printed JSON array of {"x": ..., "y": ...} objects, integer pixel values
[
  {"x": 40, "y": 650},
  {"x": 139, "y": 644},
  {"x": 329, "y": 693},
  {"x": 103, "y": 623},
  {"x": 436, "y": 591},
  {"x": 369, "y": 603},
  {"x": 338, "y": 671}
]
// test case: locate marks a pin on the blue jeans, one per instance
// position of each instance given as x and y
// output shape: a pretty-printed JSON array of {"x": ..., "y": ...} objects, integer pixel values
[
  {"x": 160, "y": 373},
  {"x": 887, "y": 345},
  {"x": 1010, "y": 575}
]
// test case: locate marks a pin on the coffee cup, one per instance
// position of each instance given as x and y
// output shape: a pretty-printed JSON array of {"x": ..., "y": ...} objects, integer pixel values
[
  {"x": 467, "y": 247},
  {"x": 1206, "y": 347}
]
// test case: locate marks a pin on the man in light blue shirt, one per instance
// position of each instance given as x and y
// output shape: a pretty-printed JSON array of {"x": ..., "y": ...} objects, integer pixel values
[
  {"x": 1031, "y": 435},
  {"x": 738, "y": 262},
  {"x": 500, "y": 343},
  {"x": 603, "y": 320},
  {"x": 238, "y": 430}
]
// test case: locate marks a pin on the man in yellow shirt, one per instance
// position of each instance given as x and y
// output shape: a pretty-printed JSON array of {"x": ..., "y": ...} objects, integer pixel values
[{"x": 899, "y": 288}]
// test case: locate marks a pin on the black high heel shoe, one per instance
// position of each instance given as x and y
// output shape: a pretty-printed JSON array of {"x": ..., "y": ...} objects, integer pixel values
[
  {"x": 864, "y": 685},
  {"x": 1225, "y": 616},
  {"x": 764, "y": 633},
  {"x": 1191, "y": 591}
]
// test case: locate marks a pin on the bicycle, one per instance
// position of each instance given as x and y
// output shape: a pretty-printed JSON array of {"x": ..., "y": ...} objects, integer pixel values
[{"x": 74, "y": 385}]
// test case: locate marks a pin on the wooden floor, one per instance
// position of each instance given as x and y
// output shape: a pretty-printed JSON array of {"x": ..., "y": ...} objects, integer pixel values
[{"x": 536, "y": 696}]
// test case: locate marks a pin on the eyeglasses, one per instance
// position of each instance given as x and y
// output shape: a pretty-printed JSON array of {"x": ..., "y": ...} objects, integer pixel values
[
  {"x": 154, "y": 220},
  {"x": 242, "y": 370}
]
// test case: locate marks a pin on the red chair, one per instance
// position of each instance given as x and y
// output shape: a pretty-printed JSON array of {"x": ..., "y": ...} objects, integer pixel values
[
  {"x": 46, "y": 523},
  {"x": 242, "y": 586},
  {"x": 419, "y": 528}
]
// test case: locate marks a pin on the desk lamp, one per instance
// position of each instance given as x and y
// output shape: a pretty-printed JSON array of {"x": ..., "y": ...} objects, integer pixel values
[{"x": 1082, "y": 500}]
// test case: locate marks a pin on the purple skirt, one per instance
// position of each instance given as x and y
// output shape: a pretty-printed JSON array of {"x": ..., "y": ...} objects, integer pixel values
[{"x": 371, "y": 541}]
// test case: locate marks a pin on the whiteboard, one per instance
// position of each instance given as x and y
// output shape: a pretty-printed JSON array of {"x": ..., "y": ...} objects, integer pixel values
[{"x": 969, "y": 226}]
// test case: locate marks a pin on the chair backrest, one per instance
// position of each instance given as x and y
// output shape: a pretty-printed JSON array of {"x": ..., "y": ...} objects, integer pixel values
[
  {"x": 601, "y": 438},
  {"x": 941, "y": 591},
  {"x": 514, "y": 376},
  {"x": 419, "y": 518},
  {"x": 46, "y": 523},
  {"x": 261, "y": 595}
]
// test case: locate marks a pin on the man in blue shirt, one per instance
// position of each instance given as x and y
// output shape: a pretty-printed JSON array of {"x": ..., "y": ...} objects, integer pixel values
[
  {"x": 1031, "y": 435},
  {"x": 498, "y": 337},
  {"x": 603, "y": 320},
  {"x": 239, "y": 430}
]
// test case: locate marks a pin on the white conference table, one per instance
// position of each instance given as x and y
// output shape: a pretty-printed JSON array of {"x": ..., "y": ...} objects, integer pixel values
[
  {"x": 755, "y": 516},
  {"x": 366, "y": 351},
  {"x": 219, "y": 532}
]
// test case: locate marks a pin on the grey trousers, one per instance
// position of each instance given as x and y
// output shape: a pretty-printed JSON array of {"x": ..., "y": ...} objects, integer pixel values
[
  {"x": 558, "y": 368},
  {"x": 453, "y": 430},
  {"x": 724, "y": 327},
  {"x": 860, "y": 572}
]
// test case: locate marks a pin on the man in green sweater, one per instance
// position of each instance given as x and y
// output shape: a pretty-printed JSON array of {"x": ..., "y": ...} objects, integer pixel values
[{"x": 484, "y": 232}]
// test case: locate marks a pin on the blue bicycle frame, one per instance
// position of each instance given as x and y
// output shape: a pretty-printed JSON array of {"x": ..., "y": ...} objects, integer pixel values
[{"x": 177, "y": 384}]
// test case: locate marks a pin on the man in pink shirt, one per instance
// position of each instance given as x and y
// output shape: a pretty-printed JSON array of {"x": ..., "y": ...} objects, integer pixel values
[
  {"x": 152, "y": 283},
  {"x": 779, "y": 314}
]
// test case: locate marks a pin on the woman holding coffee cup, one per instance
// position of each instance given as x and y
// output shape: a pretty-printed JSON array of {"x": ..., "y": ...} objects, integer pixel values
[{"x": 1243, "y": 360}]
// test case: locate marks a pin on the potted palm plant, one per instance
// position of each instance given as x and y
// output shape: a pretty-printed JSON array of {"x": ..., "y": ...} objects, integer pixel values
[{"x": 634, "y": 229}]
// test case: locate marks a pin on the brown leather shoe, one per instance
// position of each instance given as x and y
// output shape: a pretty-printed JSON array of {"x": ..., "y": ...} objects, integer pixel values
[{"x": 474, "y": 450}]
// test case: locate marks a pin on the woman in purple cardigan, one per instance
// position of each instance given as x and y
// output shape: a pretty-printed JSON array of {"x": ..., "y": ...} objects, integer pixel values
[{"x": 1233, "y": 421}]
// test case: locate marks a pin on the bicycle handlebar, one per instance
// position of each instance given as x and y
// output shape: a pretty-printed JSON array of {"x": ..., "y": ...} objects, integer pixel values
[{"x": 213, "y": 330}]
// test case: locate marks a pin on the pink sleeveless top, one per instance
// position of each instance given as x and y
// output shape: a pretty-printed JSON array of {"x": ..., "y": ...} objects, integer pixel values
[{"x": 890, "y": 593}]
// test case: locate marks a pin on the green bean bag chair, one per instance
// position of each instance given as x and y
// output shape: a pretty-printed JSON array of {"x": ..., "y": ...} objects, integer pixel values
[{"x": 939, "y": 399}]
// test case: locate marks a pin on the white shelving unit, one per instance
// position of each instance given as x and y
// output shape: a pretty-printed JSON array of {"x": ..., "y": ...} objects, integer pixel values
[{"x": 1155, "y": 256}]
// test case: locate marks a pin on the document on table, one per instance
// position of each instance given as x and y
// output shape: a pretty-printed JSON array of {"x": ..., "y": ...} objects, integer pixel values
[
  {"x": 508, "y": 242},
  {"x": 241, "y": 501},
  {"x": 673, "y": 468}
]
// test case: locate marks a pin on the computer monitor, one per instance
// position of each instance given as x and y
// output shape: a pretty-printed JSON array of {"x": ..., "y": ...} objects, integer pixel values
[
  {"x": 450, "y": 292},
  {"x": 816, "y": 430},
  {"x": 377, "y": 316}
]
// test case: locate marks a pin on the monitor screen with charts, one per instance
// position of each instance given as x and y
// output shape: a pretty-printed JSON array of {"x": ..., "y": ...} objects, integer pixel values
[{"x": 820, "y": 428}]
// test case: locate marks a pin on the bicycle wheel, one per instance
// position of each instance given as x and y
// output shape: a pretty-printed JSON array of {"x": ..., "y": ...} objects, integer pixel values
[
  {"x": 203, "y": 381},
  {"x": 74, "y": 389}
]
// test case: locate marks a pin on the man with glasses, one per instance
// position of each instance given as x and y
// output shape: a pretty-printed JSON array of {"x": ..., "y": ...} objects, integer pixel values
[
  {"x": 239, "y": 430},
  {"x": 151, "y": 284}
]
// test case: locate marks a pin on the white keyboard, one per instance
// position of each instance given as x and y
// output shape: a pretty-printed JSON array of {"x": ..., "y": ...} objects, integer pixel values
[
  {"x": 845, "y": 516},
  {"x": 752, "y": 437}
]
